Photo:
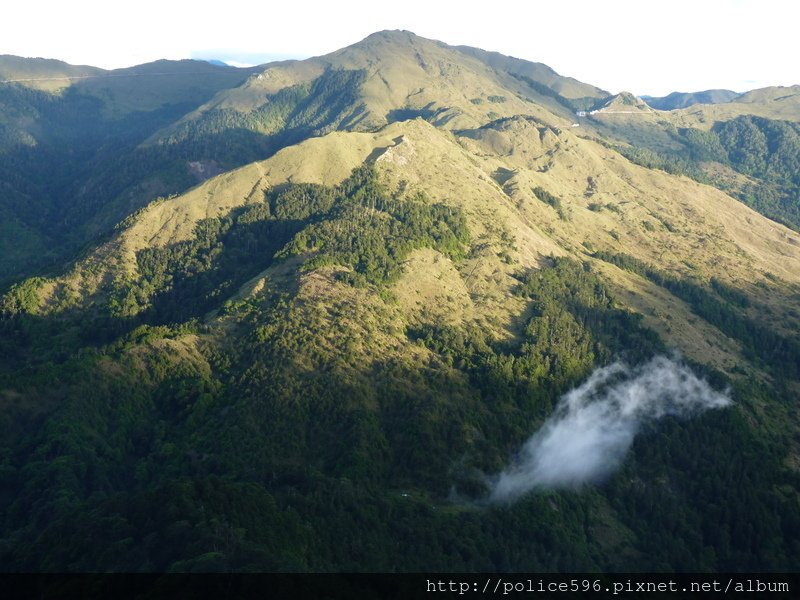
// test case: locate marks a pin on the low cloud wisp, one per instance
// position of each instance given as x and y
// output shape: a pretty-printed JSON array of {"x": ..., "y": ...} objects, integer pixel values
[{"x": 594, "y": 425}]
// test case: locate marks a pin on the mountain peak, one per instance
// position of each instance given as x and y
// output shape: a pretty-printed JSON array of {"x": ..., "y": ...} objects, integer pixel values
[
  {"x": 684, "y": 99},
  {"x": 387, "y": 37},
  {"x": 392, "y": 34},
  {"x": 624, "y": 102},
  {"x": 329, "y": 289},
  {"x": 42, "y": 73},
  {"x": 392, "y": 40}
]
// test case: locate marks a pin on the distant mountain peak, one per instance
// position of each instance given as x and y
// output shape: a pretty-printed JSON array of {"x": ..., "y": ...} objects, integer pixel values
[
  {"x": 396, "y": 35},
  {"x": 677, "y": 100},
  {"x": 624, "y": 102},
  {"x": 247, "y": 310}
]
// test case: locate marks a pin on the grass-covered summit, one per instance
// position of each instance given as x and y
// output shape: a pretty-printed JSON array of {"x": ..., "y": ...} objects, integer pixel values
[{"x": 299, "y": 320}]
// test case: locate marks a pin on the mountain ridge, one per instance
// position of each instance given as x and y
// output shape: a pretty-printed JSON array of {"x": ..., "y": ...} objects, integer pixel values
[
  {"x": 418, "y": 79},
  {"x": 685, "y": 99},
  {"x": 325, "y": 303}
]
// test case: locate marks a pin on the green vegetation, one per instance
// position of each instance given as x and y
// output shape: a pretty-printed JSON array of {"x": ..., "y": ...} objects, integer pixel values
[
  {"x": 722, "y": 306},
  {"x": 356, "y": 225},
  {"x": 763, "y": 149},
  {"x": 85, "y": 171},
  {"x": 236, "y": 137},
  {"x": 326, "y": 377},
  {"x": 682, "y": 100},
  {"x": 573, "y": 104},
  {"x": 77, "y": 176},
  {"x": 22, "y": 297},
  {"x": 290, "y": 450},
  {"x": 293, "y": 113},
  {"x": 671, "y": 163},
  {"x": 551, "y": 200},
  {"x": 372, "y": 233}
]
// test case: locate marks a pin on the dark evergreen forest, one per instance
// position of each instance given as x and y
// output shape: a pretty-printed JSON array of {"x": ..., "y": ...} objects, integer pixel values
[{"x": 287, "y": 449}]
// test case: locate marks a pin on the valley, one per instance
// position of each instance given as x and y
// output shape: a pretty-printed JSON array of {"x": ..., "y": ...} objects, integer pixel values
[{"x": 297, "y": 317}]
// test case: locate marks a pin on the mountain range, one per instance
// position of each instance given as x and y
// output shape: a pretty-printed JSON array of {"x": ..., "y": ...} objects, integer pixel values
[
  {"x": 300, "y": 316},
  {"x": 683, "y": 99}
]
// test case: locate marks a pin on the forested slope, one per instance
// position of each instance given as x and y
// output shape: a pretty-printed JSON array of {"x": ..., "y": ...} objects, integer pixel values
[{"x": 324, "y": 356}]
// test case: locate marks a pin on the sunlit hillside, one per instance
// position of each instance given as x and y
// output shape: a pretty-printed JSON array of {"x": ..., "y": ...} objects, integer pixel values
[{"x": 306, "y": 317}]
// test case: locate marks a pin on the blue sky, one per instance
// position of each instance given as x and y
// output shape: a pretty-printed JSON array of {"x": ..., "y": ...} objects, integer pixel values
[{"x": 640, "y": 46}]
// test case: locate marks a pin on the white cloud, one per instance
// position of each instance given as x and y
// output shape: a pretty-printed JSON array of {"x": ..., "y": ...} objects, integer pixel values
[{"x": 594, "y": 425}]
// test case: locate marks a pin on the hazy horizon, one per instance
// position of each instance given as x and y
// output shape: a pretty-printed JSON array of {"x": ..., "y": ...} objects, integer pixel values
[{"x": 721, "y": 44}]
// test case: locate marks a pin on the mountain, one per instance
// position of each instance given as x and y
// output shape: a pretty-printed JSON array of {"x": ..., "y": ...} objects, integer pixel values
[
  {"x": 746, "y": 147},
  {"x": 156, "y": 129},
  {"x": 68, "y": 149},
  {"x": 389, "y": 76},
  {"x": 771, "y": 94},
  {"x": 542, "y": 78},
  {"x": 42, "y": 73},
  {"x": 380, "y": 273},
  {"x": 684, "y": 100},
  {"x": 775, "y": 103}
]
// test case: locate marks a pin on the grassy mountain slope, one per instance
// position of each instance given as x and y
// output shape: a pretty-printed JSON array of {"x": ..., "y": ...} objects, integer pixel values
[
  {"x": 677, "y": 100},
  {"x": 567, "y": 87},
  {"x": 139, "y": 88},
  {"x": 323, "y": 386},
  {"x": 150, "y": 86},
  {"x": 623, "y": 102},
  {"x": 781, "y": 103},
  {"x": 568, "y": 91},
  {"x": 42, "y": 73},
  {"x": 68, "y": 156},
  {"x": 751, "y": 157},
  {"x": 491, "y": 173},
  {"x": 390, "y": 75},
  {"x": 313, "y": 361}
]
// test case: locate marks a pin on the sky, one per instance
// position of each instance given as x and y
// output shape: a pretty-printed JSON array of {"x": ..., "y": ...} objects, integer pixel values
[{"x": 644, "y": 47}]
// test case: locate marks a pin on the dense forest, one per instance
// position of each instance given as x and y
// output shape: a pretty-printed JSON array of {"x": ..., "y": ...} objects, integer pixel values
[
  {"x": 287, "y": 445},
  {"x": 77, "y": 176},
  {"x": 766, "y": 150},
  {"x": 68, "y": 179},
  {"x": 331, "y": 358}
]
